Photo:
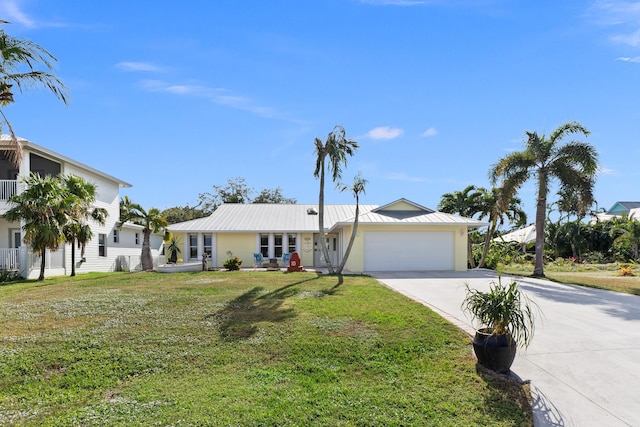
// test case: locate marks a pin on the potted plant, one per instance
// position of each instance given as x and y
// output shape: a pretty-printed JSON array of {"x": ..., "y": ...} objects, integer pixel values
[
  {"x": 173, "y": 249},
  {"x": 508, "y": 320}
]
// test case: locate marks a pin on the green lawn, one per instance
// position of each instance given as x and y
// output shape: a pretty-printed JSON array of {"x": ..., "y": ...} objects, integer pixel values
[
  {"x": 601, "y": 276},
  {"x": 237, "y": 349}
]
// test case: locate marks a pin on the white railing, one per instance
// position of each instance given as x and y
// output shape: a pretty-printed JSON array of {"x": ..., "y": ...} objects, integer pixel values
[
  {"x": 8, "y": 187},
  {"x": 9, "y": 259}
]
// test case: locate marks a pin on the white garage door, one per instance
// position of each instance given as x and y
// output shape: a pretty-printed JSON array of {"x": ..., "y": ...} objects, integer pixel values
[{"x": 408, "y": 250}]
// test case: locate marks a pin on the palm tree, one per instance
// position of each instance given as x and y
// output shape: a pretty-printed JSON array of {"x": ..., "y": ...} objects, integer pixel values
[
  {"x": 467, "y": 203},
  {"x": 336, "y": 147},
  {"x": 497, "y": 209},
  {"x": 152, "y": 221},
  {"x": 41, "y": 208},
  {"x": 626, "y": 230},
  {"x": 574, "y": 164},
  {"x": 81, "y": 195},
  {"x": 358, "y": 187},
  {"x": 19, "y": 63}
]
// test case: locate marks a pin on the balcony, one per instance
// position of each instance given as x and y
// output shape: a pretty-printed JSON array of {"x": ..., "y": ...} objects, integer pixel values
[{"x": 8, "y": 187}]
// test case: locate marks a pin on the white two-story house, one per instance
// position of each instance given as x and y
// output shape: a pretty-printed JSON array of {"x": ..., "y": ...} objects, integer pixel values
[{"x": 112, "y": 248}]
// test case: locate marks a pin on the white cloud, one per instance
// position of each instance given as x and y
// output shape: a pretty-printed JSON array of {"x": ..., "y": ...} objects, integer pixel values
[
  {"x": 628, "y": 59},
  {"x": 430, "y": 132},
  {"x": 10, "y": 11},
  {"x": 632, "y": 39},
  {"x": 385, "y": 132},
  {"x": 606, "y": 171},
  {"x": 137, "y": 66},
  {"x": 402, "y": 176}
]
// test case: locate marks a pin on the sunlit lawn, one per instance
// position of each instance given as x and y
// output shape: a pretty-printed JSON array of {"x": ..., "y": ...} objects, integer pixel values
[
  {"x": 602, "y": 276},
  {"x": 237, "y": 349}
]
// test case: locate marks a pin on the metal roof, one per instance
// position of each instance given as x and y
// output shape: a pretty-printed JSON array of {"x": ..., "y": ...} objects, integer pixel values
[{"x": 257, "y": 217}]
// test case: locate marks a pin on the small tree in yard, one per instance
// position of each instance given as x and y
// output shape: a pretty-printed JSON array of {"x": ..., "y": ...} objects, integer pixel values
[
  {"x": 152, "y": 221},
  {"x": 358, "y": 187}
]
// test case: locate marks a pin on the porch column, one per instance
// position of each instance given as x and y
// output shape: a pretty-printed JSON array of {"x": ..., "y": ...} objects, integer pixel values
[
  {"x": 200, "y": 245},
  {"x": 298, "y": 243},
  {"x": 285, "y": 243},
  {"x": 185, "y": 247},
  {"x": 272, "y": 244}
]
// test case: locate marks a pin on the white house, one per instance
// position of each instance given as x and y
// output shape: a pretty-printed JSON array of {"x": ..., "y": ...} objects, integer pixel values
[
  {"x": 401, "y": 235},
  {"x": 110, "y": 249}
]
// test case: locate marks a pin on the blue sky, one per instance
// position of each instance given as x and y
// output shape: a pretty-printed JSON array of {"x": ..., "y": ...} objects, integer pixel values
[{"x": 176, "y": 97}]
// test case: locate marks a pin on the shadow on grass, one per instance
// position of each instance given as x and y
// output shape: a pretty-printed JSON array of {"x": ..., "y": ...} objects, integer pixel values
[
  {"x": 239, "y": 319},
  {"x": 504, "y": 392}
]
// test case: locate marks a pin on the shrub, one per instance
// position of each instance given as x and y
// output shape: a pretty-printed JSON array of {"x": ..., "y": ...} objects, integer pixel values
[
  {"x": 626, "y": 270},
  {"x": 7, "y": 276},
  {"x": 233, "y": 263}
]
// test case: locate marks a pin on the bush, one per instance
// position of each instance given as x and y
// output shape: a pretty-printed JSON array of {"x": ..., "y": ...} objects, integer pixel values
[
  {"x": 7, "y": 276},
  {"x": 233, "y": 263}
]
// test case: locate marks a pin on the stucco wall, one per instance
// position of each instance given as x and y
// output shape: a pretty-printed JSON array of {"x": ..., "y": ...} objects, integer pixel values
[{"x": 243, "y": 245}]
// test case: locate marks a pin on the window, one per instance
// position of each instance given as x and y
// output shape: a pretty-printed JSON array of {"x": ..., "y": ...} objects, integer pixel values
[
  {"x": 207, "y": 244},
  {"x": 116, "y": 236},
  {"x": 137, "y": 238},
  {"x": 264, "y": 245},
  {"x": 278, "y": 245},
  {"x": 193, "y": 246},
  {"x": 102, "y": 245},
  {"x": 292, "y": 243}
]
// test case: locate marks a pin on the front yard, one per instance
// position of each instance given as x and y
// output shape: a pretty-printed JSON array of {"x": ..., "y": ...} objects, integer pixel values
[{"x": 241, "y": 348}]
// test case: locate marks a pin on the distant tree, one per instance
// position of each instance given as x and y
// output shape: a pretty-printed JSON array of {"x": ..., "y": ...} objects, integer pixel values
[
  {"x": 626, "y": 231},
  {"x": 178, "y": 214},
  {"x": 358, "y": 187},
  {"x": 574, "y": 164},
  {"x": 496, "y": 208},
  {"x": 79, "y": 200},
  {"x": 236, "y": 191},
  {"x": 273, "y": 196},
  {"x": 152, "y": 221},
  {"x": 336, "y": 148},
  {"x": 467, "y": 203},
  {"x": 19, "y": 64},
  {"x": 41, "y": 207}
]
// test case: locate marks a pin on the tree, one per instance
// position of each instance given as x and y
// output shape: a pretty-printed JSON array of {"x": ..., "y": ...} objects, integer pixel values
[
  {"x": 79, "y": 199},
  {"x": 467, "y": 203},
  {"x": 336, "y": 148},
  {"x": 152, "y": 221},
  {"x": 178, "y": 214},
  {"x": 41, "y": 208},
  {"x": 236, "y": 191},
  {"x": 574, "y": 164},
  {"x": 358, "y": 187},
  {"x": 273, "y": 196},
  {"x": 20, "y": 64},
  {"x": 626, "y": 231},
  {"x": 497, "y": 207}
]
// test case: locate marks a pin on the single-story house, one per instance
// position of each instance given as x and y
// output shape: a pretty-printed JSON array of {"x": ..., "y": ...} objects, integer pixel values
[
  {"x": 398, "y": 236},
  {"x": 630, "y": 209}
]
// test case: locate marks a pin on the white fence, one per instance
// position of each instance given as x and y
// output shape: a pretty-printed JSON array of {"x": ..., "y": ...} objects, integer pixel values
[
  {"x": 10, "y": 259},
  {"x": 8, "y": 187}
]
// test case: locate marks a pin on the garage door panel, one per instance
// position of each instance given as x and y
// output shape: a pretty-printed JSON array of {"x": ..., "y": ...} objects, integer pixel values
[{"x": 418, "y": 250}]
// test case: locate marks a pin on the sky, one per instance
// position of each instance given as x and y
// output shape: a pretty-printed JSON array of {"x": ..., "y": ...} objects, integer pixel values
[{"x": 175, "y": 97}]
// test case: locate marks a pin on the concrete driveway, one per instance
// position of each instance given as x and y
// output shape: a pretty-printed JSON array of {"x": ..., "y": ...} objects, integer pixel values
[{"x": 584, "y": 360}]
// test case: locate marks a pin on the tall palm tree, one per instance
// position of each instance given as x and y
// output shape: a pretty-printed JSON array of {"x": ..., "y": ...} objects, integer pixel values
[
  {"x": 81, "y": 195},
  {"x": 336, "y": 148},
  {"x": 152, "y": 221},
  {"x": 574, "y": 164},
  {"x": 467, "y": 203},
  {"x": 498, "y": 208},
  {"x": 41, "y": 208},
  {"x": 20, "y": 63},
  {"x": 358, "y": 187}
]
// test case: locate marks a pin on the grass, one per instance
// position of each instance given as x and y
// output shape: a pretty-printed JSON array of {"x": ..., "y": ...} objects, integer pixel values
[
  {"x": 238, "y": 348},
  {"x": 601, "y": 276}
]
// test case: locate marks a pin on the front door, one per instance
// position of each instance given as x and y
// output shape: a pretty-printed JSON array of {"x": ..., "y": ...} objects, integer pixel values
[
  {"x": 331, "y": 240},
  {"x": 16, "y": 239}
]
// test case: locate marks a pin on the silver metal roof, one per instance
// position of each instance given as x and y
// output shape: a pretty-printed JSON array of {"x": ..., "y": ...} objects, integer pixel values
[{"x": 234, "y": 217}]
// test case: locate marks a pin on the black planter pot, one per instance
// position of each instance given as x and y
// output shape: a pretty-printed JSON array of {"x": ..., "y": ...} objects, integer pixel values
[{"x": 495, "y": 352}]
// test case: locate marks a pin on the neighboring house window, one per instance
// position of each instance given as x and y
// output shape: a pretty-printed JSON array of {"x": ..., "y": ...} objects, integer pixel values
[
  {"x": 292, "y": 243},
  {"x": 102, "y": 244},
  {"x": 193, "y": 246},
  {"x": 207, "y": 244},
  {"x": 278, "y": 245},
  {"x": 116, "y": 236},
  {"x": 264, "y": 245},
  {"x": 137, "y": 238}
]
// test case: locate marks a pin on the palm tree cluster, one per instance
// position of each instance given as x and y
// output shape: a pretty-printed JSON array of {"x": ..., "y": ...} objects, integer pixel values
[{"x": 54, "y": 210}]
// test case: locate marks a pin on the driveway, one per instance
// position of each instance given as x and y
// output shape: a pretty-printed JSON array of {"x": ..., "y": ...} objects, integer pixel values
[{"x": 584, "y": 360}]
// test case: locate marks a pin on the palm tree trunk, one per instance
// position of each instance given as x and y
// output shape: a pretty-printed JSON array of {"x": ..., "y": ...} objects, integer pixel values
[
  {"x": 146, "y": 258},
  {"x": 541, "y": 216},
  {"x": 472, "y": 262},
  {"x": 322, "y": 241},
  {"x": 73, "y": 257},
  {"x": 487, "y": 242},
  {"x": 43, "y": 255},
  {"x": 351, "y": 240}
]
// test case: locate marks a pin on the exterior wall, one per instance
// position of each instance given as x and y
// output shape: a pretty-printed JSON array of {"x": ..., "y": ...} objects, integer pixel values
[
  {"x": 306, "y": 249},
  {"x": 355, "y": 263},
  {"x": 243, "y": 245}
]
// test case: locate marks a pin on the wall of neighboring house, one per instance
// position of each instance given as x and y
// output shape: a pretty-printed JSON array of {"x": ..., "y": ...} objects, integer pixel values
[{"x": 243, "y": 245}]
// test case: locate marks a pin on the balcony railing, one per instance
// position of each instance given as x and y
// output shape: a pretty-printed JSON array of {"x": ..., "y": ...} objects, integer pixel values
[{"x": 8, "y": 187}]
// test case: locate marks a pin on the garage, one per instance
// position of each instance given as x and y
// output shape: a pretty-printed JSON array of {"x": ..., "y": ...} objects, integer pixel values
[{"x": 408, "y": 250}]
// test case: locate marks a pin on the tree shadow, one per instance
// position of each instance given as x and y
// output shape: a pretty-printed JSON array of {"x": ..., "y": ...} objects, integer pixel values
[{"x": 240, "y": 317}]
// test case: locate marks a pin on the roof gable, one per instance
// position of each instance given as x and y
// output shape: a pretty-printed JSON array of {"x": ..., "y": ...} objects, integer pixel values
[
  {"x": 620, "y": 208},
  {"x": 403, "y": 205}
]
